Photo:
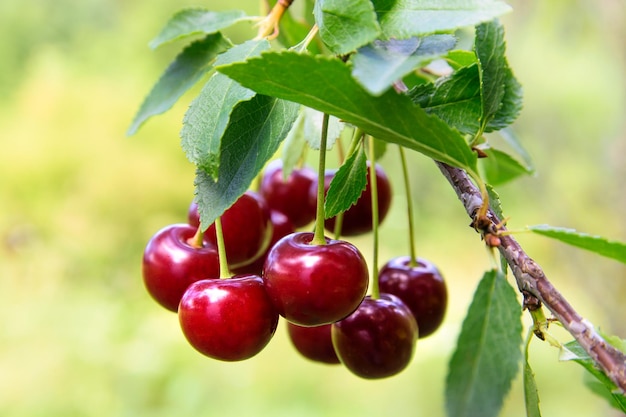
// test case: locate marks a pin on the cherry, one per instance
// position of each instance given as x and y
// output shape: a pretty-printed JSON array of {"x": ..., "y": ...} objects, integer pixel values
[
  {"x": 311, "y": 285},
  {"x": 357, "y": 219},
  {"x": 228, "y": 319},
  {"x": 378, "y": 339},
  {"x": 281, "y": 227},
  {"x": 171, "y": 263},
  {"x": 193, "y": 216},
  {"x": 246, "y": 226},
  {"x": 421, "y": 287},
  {"x": 314, "y": 343},
  {"x": 289, "y": 196}
]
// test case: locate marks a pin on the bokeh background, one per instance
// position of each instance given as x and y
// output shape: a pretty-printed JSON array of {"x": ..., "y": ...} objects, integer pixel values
[{"x": 79, "y": 336}]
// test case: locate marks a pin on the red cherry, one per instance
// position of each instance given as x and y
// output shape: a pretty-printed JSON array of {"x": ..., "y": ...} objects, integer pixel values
[
  {"x": 422, "y": 288},
  {"x": 314, "y": 343},
  {"x": 171, "y": 264},
  {"x": 247, "y": 229},
  {"x": 193, "y": 216},
  {"x": 311, "y": 285},
  {"x": 357, "y": 219},
  {"x": 281, "y": 228},
  {"x": 228, "y": 319},
  {"x": 378, "y": 339},
  {"x": 289, "y": 196}
]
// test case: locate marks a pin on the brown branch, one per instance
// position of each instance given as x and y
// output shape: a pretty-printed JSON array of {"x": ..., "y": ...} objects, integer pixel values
[{"x": 533, "y": 283}]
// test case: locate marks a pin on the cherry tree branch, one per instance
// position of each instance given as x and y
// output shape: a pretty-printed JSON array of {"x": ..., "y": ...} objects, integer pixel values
[{"x": 536, "y": 288}]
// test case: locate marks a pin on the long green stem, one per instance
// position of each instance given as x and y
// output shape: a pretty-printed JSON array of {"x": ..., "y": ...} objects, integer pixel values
[
  {"x": 357, "y": 137},
  {"x": 318, "y": 236},
  {"x": 221, "y": 249},
  {"x": 409, "y": 209},
  {"x": 374, "y": 188}
]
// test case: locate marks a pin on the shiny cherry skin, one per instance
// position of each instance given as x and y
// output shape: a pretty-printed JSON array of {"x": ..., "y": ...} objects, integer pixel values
[
  {"x": 247, "y": 229},
  {"x": 421, "y": 287},
  {"x": 377, "y": 340},
  {"x": 171, "y": 263},
  {"x": 228, "y": 319},
  {"x": 312, "y": 285},
  {"x": 282, "y": 227},
  {"x": 291, "y": 195},
  {"x": 357, "y": 220},
  {"x": 314, "y": 343}
]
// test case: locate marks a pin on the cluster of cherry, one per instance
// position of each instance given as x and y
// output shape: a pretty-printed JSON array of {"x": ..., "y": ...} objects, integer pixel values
[{"x": 320, "y": 288}]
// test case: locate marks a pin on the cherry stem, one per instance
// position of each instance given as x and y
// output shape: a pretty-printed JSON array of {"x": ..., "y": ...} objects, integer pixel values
[
  {"x": 304, "y": 44},
  {"x": 221, "y": 249},
  {"x": 338, "y": 225},
  {"x": 374, "y": 188},
  {"x": 197, "y": 240},
  {"x": 320, "y": 215},
  {"x": 409, "y": 209}
]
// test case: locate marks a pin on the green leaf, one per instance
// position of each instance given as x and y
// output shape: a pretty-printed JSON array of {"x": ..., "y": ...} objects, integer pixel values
[
  {"x": 249, "y": 49},
  {"x": 494, "y": 202},
  {"x": 511, "y": 105},
  {"x": 490, "y": 49},
  {"x": 496, "y": 205},
  {"x": 256, "y": 129},
  {"x": 347, "y": 184},
  {"x": 403, "y": 19},
  {"x": 597, "y": 244},
  {"x": 488, "y": 352},
  {"x": 511, "y": 139},
  {"x": 186, "y": 69},
  {"x": 195, "y": 21},
  {"x": 500, "y": 91},
  {"x": 531, "y": 394},
  {"x": 326, "y": 84},
  {"x": 293, "y": 146},
  {"x": 460, "y": 58},
  {"x": 455, "y": 99},
  {"x": 313, "y": 129},
  {"x": 209, "y": 113},
  {"x": 207, "y": 118},
  {"x": 345, "y": 26},
  {"x": 378, "y": 65},
  {"x": 574, "y": 352},
  {"x": 500, "y": 167}
]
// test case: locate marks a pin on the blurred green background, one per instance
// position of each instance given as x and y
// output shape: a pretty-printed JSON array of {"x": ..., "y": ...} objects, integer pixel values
[{"x": 79, "y": 336}]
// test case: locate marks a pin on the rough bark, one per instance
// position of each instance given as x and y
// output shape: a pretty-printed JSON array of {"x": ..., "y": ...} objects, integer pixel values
[{"x": 535, "y": 286}]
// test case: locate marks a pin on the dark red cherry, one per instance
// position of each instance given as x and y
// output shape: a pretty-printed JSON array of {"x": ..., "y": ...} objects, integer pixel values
[
  {"x": 357, "y": 219},
  {"x": 171, "y": 263},
  {"x": 421, "y": 287},
  {"x": 313, "y": 343},
  {"x": 247, "y": 229},
  {"x": 378, "y": 339},
  {"x": 289, "y": 196},
  {"x": 281, "y": 228},
  {"x": 311, "y": 285},
  {"x": 228, "y": 319}
]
